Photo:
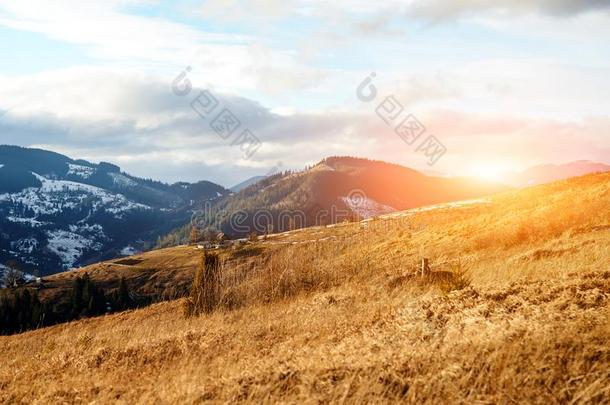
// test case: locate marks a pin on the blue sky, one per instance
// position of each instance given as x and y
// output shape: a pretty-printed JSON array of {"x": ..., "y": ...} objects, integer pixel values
[{"x": 503, "y": 84}]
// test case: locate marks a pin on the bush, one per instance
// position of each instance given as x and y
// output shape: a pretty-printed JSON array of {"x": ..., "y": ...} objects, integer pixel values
[{"x": 459, "y": 280}]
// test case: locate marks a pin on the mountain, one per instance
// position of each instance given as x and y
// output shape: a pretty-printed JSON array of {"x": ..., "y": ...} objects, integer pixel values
[
  {"x": 335, "y": 190},
  {"x": 57, "y": 213},
  {"x": 548, "y": 173},
  {"x": 252, "y": 180}
]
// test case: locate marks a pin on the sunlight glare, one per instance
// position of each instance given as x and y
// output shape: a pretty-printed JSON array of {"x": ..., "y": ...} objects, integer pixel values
[{"x": 488, "y": 171}]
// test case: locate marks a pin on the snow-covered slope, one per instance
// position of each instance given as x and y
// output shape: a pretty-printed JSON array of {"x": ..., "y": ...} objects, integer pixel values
[
  {"x": 62, "y": 222},
  {"x": 366, "y": 207},
  {"x": 57, "y": 213},
  {"x": 57, "y": 196}
]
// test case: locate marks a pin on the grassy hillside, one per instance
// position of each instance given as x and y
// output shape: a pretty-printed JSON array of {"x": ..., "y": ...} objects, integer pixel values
[{"x": 519, "y": 311}]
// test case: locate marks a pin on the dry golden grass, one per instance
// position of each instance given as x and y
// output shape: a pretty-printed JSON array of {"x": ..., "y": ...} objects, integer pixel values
[
  {"x": 338, "y": 317},
  {"x": 161, "y": 274}
]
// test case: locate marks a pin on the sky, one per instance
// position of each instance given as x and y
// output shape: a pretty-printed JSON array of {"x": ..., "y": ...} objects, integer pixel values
[{"x": 223, "y": 90}]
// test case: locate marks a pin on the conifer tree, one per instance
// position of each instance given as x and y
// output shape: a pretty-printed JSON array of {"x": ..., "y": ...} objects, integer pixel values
[
  {"x": 195, "y": 235},
  {"x": 122, "y": 299},
  {"x": 205, "y": 291}
]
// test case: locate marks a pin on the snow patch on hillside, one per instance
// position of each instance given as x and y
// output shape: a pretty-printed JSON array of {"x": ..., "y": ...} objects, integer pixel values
[
  {"x": 33, "y": 222},
  {"x": 25, "y": 246},
  {"x": 69, "y": 246},
  {"x": 81, "y": 171},
  {"x": 366, "y": 207},
  {"x": 90, "y": 231},
  {"x": 122, "y": 181},
  {"x": 128, "y": 251}
]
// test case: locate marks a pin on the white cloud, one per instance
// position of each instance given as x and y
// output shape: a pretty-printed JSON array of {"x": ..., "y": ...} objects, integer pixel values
[
  {"x": 442, "y": 9},
  {"x": 379, "y": 13},
  {"x": 109, "y": 33},
  {"x": 138, "y": 122},
  {"x": 123, "y": 41},
  {"x": 245, "y": 11}
]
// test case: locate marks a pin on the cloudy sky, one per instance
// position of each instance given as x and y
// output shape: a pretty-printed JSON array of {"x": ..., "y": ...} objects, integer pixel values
[{"x": 502, "y": 84}]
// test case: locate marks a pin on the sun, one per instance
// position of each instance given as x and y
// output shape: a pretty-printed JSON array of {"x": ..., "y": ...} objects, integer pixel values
[{"x": 490, "y": 171}]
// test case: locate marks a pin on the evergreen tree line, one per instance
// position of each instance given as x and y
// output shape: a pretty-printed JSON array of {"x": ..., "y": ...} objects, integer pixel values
[{"x": 22, "y": 310}]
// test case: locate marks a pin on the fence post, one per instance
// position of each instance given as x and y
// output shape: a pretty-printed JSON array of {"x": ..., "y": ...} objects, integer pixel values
[{"x": 425, "y": 267}]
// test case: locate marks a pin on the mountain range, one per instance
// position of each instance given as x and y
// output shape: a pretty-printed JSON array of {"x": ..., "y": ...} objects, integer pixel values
[
  {"x": 552, "y": 172},
  {"x": 336, "y": 189},
  {"x": 57, "y": 213}
]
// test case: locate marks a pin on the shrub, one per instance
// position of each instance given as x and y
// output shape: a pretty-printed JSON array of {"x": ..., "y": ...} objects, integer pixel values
[{"x": 460, "y": 279}]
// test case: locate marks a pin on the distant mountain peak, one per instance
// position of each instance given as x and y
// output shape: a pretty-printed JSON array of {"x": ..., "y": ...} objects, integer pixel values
[
  {"x": 547, "y": 173},
  {"x": 246, "y": 183}
]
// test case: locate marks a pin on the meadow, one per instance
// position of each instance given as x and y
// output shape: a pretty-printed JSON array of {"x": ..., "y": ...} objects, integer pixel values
[{"x": 340, "y": 314}]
